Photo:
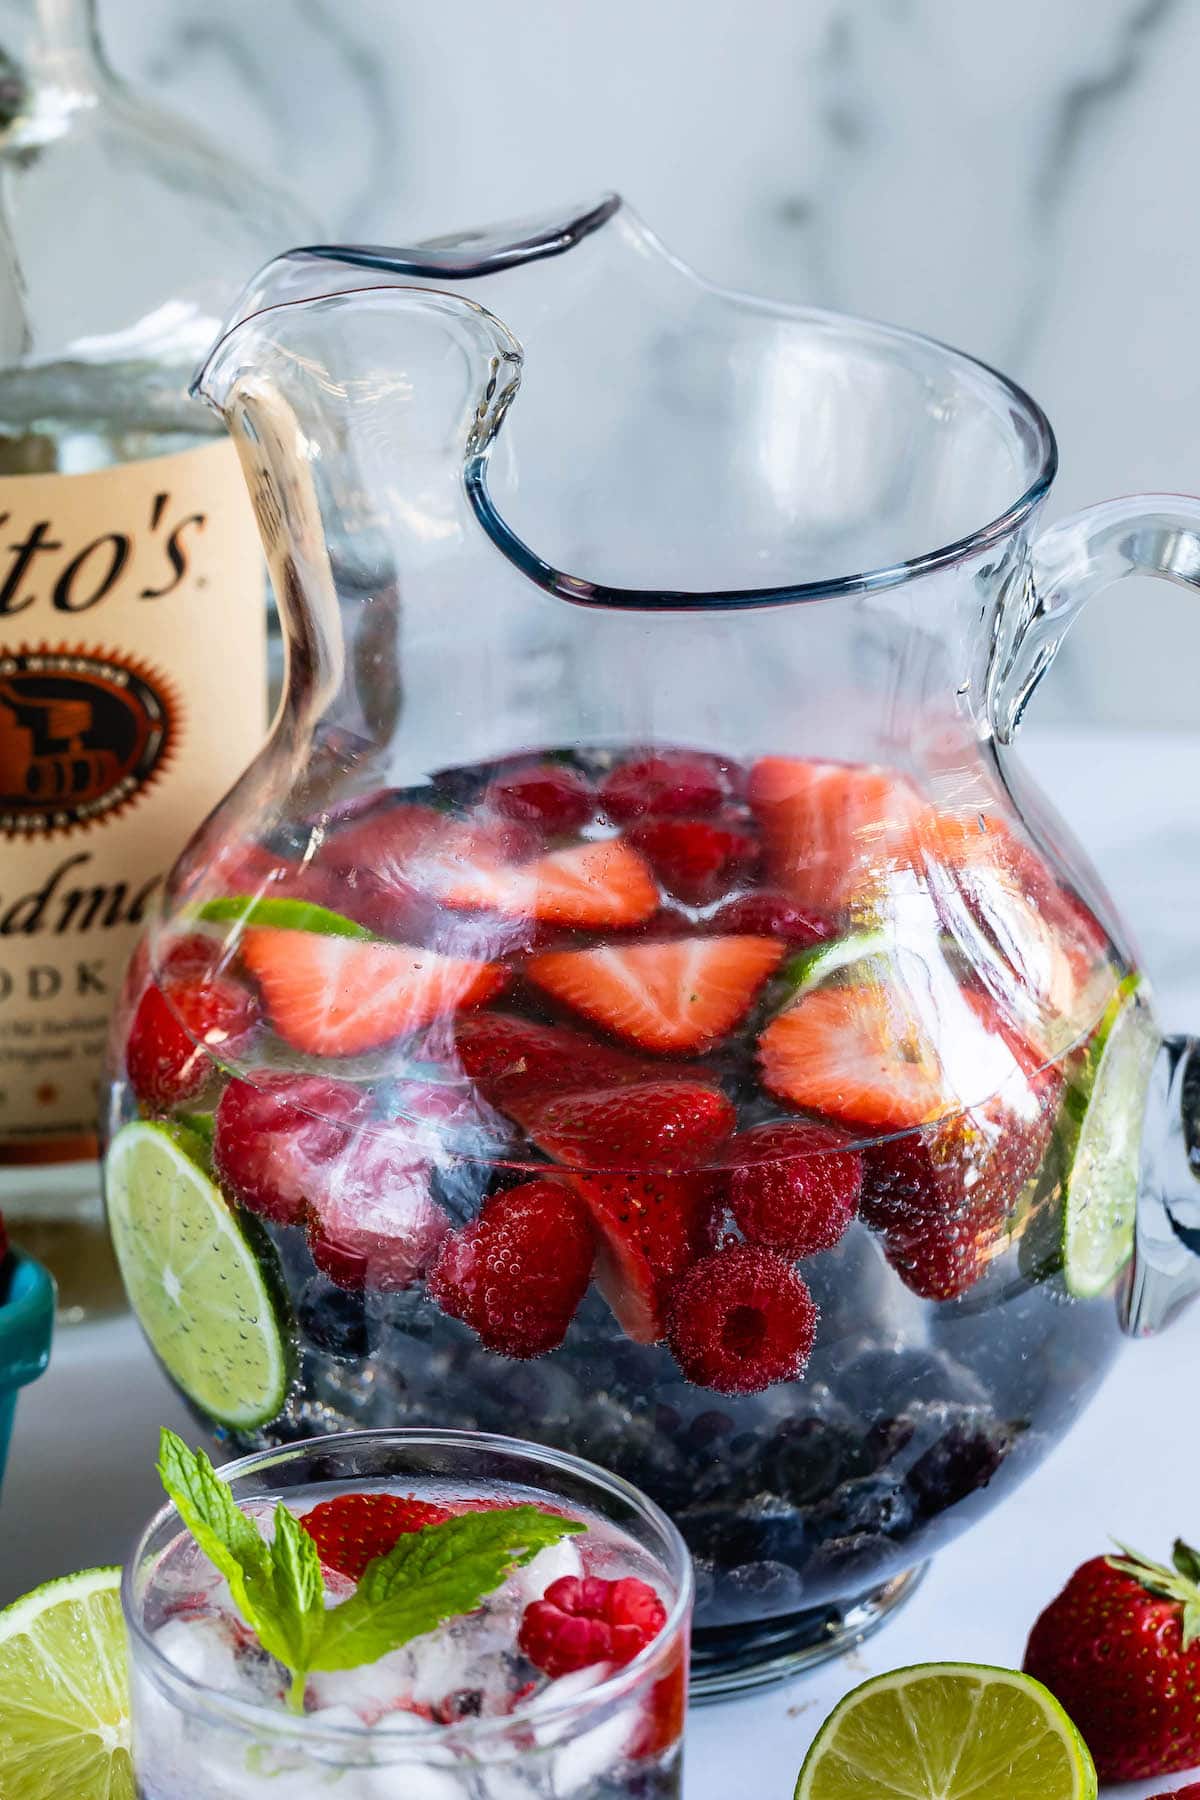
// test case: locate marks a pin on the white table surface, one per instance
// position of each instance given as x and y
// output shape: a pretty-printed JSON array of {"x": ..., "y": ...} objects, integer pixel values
[{"x": 81, "y": 1474}]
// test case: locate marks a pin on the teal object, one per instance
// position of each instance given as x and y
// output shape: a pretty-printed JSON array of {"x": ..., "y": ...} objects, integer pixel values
[{"x": 26, "y": 1327}]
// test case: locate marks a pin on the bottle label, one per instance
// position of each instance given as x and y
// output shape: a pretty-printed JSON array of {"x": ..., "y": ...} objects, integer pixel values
[{"x": 132, "y": 694}]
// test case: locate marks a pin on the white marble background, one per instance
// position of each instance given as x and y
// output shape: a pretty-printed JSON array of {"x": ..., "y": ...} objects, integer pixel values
[{"x": 1018, "y": 179}]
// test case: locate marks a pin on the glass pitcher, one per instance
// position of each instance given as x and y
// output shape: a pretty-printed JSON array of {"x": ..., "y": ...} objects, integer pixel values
[{"x": 635, "y": 1000}]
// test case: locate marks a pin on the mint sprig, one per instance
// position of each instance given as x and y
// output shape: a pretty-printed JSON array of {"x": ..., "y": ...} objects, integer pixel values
[{"x": 427, "y": 1578}]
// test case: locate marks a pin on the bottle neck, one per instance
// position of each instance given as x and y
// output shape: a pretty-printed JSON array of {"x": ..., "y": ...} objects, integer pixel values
[{"x": 54, "y": 41}]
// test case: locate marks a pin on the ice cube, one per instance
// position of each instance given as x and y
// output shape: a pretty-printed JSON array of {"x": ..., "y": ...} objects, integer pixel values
[
  {"x": 215, "y": 1650},
  {"x": 593, "y": 1753},
  {"x": 475, "y": 1656},
  {"x": 556, "y": 1560},
  {"x": 373, "y": 1691},
  {"x": 561, "y": 1693}
]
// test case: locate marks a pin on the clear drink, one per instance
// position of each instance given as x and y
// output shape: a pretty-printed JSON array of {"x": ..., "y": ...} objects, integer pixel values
[
  {"x": 697, "y": 1128},
  {"x": 457, "y": 1714}
]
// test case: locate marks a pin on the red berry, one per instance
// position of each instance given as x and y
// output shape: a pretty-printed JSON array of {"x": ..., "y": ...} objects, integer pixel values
[
  {"x": 650, "y": 1229},
  {"x": 741, "y": 1320},
  {"x": 370, "y": 1218},
  {"x": 1113, "y": 1648},
  {"x": 768, "y": 914},
  {"x": 351, "y": 1530},
  {"x": 663, "y": 1717},
  {"x": 177, "y": 1031},
  {"x": 582, "y": 1620},
  {"x": 272, "y": 1131},
  {"x": 697, "y": 860},
  {"x": 557, "y": 798},
  {"x": 517, "y": 1273},
  {"x": 514, "y": 1061},
  {"x": 1190, "y": 1792},
  {"x": 674, "y": 781},
  {"x": 794, "y": 1188},
  {"x": 656, "y": 1124}
]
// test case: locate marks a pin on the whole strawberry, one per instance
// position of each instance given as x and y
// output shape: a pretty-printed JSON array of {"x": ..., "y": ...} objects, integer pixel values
[{"x": 1120, "y": 1648}]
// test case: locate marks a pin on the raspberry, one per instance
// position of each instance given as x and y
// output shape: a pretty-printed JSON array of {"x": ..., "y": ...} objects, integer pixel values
[
  {"x": 675, "y": 782},
  {"x": 516, "y": 1274},
  {"x": 794, "y": 1188},
  {"x": 272, "y": 1131},
  {"x": 353, "y": 1529},
  {"x": 581, "y": 1620},
  {"x": 176, "y": 1031},
  {"x": 767, "y": 914},
  {"x": 697, "y": 860},
  {"x": 741, "y": 1320},
  {"x": 556, "y": 798}
]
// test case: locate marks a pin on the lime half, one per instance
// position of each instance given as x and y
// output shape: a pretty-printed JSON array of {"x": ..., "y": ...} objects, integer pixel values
[
  {"x": 945, "y": 1731},
  {"x": 64, "y": 1692},
  {"x": 204, "y": 1282},
  {"x": 1101, "y": 1181}
]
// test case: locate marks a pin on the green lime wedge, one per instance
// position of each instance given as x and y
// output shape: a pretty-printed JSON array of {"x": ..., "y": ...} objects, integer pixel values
[
  {"x": 945, "y": 1731},
  {"x": 204, "y": 1281},
  {"x": 290, "y": 915},
  {"x": 812, "y": 967},
  {"x": 64, "y": 1692},
  {"x": 1106, "y": 1105}
]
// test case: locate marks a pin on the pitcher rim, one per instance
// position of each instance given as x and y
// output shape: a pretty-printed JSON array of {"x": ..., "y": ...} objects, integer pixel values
[{"x": 1042, "y": 445}]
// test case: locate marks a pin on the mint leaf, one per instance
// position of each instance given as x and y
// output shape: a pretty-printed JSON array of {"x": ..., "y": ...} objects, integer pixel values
[
  {"x": 226, "y": 1535},
  {"x": 299, "y": 1592},
  {"x": 433, "y": 1575}
]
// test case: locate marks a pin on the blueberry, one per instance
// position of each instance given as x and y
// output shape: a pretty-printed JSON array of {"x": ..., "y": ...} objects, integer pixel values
[
  {"x": 757, "y": 1590},
  {"x": 878, "y": 1504},
  {"x": 811, "y": 1457},
  {"x": 334, "y": 1321},
  {"x": 846, "y": 1565},
  {"x": 959, "y": 1464}
]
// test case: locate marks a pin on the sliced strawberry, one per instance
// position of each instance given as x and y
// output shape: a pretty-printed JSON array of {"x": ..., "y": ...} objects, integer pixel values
[
  {"x": 857, "y": 1055},
  {"x": 513, "y": 1060},
  {"x": 766, "y": 914},
  {"x": 664, "y": 1714},
  {"x": 583, "y": 1620},
  {"x": 330, "y": 996},
  {"x": 675, "y": 994},
  {"x": 879, "y": 1058},
  {"x": 406, "y": 839},
  {"x": 832, "y": 830},
  {"x": 793, "y": 1188},
  {"x": 598, "y": 886},
  {"x": 517, "y": 1273},
  {"x": 351, "y": 1530},
  {"x": 677, "y": 782},
  {"x": 272, "y": 1130},
  {"x": 654, "y": 1125},
  {"x": 650, "y": 1230},
  {"x": 179, "y": 1028},
  {"x": 549, "y": 795},
  {"x": 742, "y": 1320},
  {"x": 697, "y": 860},
  {"x": 370, "y": 1218}
]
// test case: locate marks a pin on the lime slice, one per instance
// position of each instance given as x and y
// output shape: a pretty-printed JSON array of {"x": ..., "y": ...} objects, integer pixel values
[
  {"x": 814, "y": 966},
  {"x": 291, "y": 915},
  {"x": 943, "y": 1731},
  {"x": 204, "y": 1282},
  {"x": 1101, "y": 1182},
  {"x": 64, "y": 1692}
]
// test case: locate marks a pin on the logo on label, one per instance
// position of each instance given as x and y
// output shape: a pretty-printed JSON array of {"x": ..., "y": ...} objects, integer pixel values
[{"x": 82, "y": 732}]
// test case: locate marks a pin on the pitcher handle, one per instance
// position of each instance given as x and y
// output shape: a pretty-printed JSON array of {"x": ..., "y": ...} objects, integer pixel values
[{"x": 1143, "y": 534}]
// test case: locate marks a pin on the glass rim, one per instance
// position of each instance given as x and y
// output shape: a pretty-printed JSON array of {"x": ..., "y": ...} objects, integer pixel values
[{"x": 269, "y": 1721}]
